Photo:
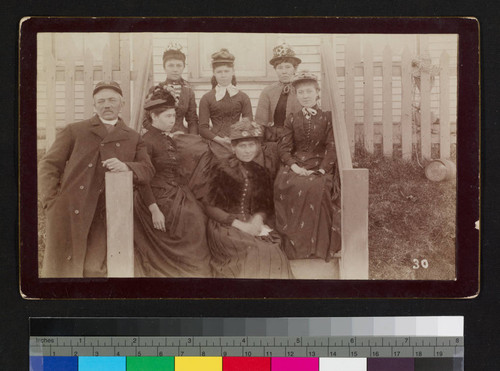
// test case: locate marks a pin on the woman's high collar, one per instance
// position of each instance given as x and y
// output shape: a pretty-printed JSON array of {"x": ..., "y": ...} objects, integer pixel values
[
  {"x": 220, "y": 91},
  {"x": 180, "y": 81}
]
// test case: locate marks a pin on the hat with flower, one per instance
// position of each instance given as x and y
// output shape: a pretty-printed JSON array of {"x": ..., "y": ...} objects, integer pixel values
[
  {"x": 283, "y": 53},
  {"x": 245, "y": 129},
  {"x": 174, "y": 51},
  {"x": 162, "y": 96}
]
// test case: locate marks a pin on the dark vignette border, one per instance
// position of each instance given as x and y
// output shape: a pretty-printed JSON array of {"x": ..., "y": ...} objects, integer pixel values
[{"x": 467, "y": 238}]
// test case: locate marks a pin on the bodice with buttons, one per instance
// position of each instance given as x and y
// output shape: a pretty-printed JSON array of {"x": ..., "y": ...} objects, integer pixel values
[
  {"x": 222, "y": 114},
  {"x": 164, "y": 157},
  {"x": 241, "y": 189},
  {"x": 308, "y": 141},
  {"x": 244, "y": 208}
]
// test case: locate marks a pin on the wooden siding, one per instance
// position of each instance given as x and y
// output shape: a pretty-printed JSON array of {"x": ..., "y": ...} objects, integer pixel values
[{"x": 306, "y": 47}]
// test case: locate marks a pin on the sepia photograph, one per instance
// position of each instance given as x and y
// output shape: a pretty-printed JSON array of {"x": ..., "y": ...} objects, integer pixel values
[{"x": 283, "y": 156}]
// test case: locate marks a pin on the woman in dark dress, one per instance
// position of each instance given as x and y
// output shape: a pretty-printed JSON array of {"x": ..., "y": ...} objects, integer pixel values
[
  {"x": 174, "y": 62},
  {"x": 307, "y": 187},
  {"x": 224, "y": 105},
  {"x": 169, "y": 225},
  {"x": 239, "y": 204}
]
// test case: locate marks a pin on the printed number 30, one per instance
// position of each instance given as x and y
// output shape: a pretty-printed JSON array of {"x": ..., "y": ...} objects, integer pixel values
[{"x": 420, "y": 263}]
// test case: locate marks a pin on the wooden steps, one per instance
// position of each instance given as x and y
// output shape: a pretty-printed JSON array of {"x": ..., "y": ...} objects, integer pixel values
[{"x": 315, "y": 269}]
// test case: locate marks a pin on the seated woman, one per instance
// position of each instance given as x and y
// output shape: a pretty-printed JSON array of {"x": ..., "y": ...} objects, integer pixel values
[
  {"x": 307, "y": 188},
  {"x": 169, "y": 224},
  {"x": 239, "y": 204},
  {"x": 224, "y": 105}
]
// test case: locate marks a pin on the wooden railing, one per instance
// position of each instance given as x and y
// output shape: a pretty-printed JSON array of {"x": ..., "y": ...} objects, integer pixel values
[
  {"x": 120, "y": 224},
  {"x": 353, "y": 257}
]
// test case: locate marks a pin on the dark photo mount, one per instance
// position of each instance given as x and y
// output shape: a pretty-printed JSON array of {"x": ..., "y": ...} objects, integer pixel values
[{"x": 466, "y": 282}]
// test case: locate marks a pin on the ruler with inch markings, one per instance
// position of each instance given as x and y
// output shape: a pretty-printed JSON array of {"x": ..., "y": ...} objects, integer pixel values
[{"x": 250, "y": 346}]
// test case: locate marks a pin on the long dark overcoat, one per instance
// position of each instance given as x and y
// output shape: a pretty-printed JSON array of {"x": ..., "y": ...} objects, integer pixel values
[{"x": 70, "y": 181}]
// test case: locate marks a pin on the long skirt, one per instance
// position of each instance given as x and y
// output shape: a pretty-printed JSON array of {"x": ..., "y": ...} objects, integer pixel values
[
  {"x": 236, "y": 254},
  {"x": 182, "y": 250},
  {"x": 307, "y": 216}
]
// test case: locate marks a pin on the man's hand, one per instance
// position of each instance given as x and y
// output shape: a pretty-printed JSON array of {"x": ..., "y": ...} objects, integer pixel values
[{"x": 114, "y": 165}]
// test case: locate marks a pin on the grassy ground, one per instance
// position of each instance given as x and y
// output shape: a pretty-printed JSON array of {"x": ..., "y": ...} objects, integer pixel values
[{"x": 410, "y": 218}]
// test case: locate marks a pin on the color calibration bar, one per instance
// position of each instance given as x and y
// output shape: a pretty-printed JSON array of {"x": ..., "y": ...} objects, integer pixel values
[
  {"x": 242, "y": 364},
  {"x": 351, "y": 343}
]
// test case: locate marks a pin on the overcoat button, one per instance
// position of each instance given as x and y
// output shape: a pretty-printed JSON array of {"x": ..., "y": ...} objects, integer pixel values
[
  {"x": 90, "y": 165},
  {"x": 118, "y": 144},
  {"x": 77, "y": 212},
  {"x": 69, "y": 257},
  {"x": 82, "y": 187}
]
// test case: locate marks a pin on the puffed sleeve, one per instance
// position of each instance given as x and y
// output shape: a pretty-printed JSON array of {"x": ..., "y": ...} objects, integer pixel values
[
  {"x": 191, "y": 115},
  {"x": 330, "y": 158},
  {"x": 246, "y": 109},
  {"x": 205, "y": 131},
  {"x": 141, "y": 166},
  {"x": 263, "y": 108},
  {"x": 286, "y": 144},
  {"x": 145, "y": 189},
  {"x": 270, "y": 150},
  {"x": 51, "y": 166},
  {"x": 262, "y": 117},
  {"x": 215, "y": 199}
]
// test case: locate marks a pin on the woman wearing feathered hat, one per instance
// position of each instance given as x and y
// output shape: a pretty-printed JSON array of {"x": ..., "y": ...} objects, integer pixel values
[
  {"x": 307, "y": 188},
  {"x": 239, "y": 204},
  {"x": 169, "y": 226},
  {"x": 278, "y": 100},
  {"x": 224, "y": 105}
]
